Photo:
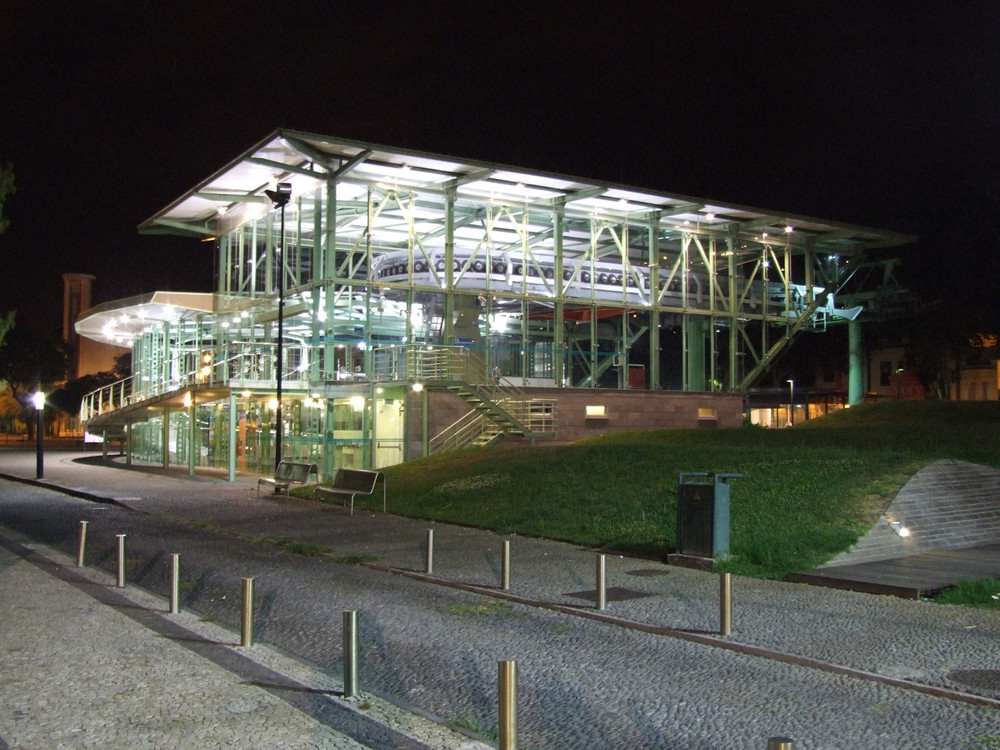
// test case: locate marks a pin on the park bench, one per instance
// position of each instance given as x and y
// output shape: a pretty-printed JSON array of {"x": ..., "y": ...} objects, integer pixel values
[
  {"x": 288, "y": 473},
  {"x": 349, "y": 483}
]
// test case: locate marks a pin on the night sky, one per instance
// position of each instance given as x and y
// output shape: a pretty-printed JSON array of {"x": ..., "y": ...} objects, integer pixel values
[{"x": 884, "y": 114}]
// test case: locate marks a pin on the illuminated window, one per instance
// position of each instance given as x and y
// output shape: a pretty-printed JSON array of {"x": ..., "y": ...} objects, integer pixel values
[
  {"x": 596, "y": 412},
  {"x": 706, "y": 412}
]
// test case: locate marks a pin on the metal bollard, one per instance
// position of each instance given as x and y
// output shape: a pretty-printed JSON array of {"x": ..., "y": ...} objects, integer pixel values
[
  {"x": 429, "y": 555},
  {"x": 725, "y": 604},
  {"x": 246, "y": 621},
  {"x": 602, "y": 592},
  {"x": 780, "y": 743},
  {"x": 508, "y": 705},
  {"x": 505, "y": 566},
  {"x": 351, "y": 654},
  {"x": 120, "y": 583},
  {"x": 83, "y": 544},
  {"x": 175, "y": 584}
]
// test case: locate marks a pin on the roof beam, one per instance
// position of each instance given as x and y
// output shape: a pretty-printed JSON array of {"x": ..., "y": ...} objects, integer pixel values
[
  {"x": 286, "y": 167},
  {"x": 465, "y": 179},
  {"x": 349, "y": 165},
  {"x": 188, "y": 228},
  {"x": 310, "y": 152},
  {"x": 683, "y": 208},
  {"x": 232, "y": 197},
  {"x": 749, "y": 226},
  {"x": 580, "y": 195}
]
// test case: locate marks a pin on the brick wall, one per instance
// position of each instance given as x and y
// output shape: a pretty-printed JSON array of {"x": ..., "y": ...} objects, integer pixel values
[{"x": 623, "y": 410}]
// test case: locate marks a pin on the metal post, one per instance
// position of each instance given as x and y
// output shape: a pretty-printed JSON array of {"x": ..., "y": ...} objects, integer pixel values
[
  {"x": 791, "y": 403},
  {"x": 39, "y": 430},
  {"x": 508, "y": 705},
  {"x": 602, "y": 593},
  {"x": 175, "y": 583},
  {"x": 505, "y": 566},
  {"x": 280, "y": 198},
  {"x": 278, "y": 426},
  {"x": 780, "y": 743},
  {"x": 351, "y": 654},
  {"x": 429, "y": 556},
  {"x": 121, "y": 561},
  {"x": 83, "y": 544},
  {"x": 725, "y": 604},
  {"x": 246, "y": 621}
]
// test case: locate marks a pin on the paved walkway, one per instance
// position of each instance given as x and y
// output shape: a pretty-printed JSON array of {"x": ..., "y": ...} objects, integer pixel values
[
  {"x": 829, "y": 668},
  {"x": 951, "y": 513},
  {"x": 947, "y": 505},
  {"x": 153, "y": 681}
]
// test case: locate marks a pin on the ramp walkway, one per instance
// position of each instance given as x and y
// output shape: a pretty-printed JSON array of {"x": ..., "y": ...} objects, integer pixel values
[{"x": 951, "y": 511}]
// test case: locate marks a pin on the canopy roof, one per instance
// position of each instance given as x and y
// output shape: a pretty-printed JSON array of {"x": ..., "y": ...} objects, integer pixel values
[
  {"x": 119, "y": 321},
  {"x": 235, "y": 194}
]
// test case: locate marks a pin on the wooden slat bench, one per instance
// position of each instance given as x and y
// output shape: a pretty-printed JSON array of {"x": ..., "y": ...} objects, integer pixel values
[
  {"x": 287, "y": 474},
  {"x": 349, "y": 483}
]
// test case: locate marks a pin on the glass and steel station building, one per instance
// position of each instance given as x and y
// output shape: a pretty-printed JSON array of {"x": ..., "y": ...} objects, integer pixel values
[{"x": 388, "y": 304}]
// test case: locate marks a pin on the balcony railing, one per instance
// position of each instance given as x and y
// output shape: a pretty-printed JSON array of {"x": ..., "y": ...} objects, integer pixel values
[
  {"x": 252, "y": 366},
  {"x": 232, "y": 365}
]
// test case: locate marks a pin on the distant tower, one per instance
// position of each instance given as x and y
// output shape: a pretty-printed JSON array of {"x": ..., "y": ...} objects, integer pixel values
[{"x": 76, "y": 299}]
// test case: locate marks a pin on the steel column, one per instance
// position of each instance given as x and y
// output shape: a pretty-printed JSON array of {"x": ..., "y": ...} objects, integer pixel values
[{"x": 855, "y": 365}]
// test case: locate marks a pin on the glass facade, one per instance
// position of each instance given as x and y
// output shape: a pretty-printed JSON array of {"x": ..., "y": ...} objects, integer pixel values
[{"x": 385, "y": 269}]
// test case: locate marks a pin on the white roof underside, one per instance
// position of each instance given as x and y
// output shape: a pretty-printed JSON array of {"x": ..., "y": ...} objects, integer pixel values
[{"x": 235, "y": 194}]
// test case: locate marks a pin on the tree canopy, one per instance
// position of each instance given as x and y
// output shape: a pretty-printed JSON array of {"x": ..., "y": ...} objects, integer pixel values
[
  {"x": 6, "y": 189},
  {"x": 30, "y": 360}
]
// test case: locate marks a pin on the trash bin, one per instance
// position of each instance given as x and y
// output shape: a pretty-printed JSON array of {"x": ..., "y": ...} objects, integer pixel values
[{"x": 703, "y": 514}]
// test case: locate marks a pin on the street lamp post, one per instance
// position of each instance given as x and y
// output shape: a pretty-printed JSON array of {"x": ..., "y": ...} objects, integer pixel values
[
  {"x": 791, "y": 403},
  {"x": 38, "y": 398},
  {"x": 280, "y": 198}
]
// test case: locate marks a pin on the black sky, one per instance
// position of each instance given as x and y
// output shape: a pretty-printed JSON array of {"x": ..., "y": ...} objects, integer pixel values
[{"x": 883, "y": 114}]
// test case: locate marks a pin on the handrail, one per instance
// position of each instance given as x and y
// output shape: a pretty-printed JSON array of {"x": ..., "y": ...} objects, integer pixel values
[
  {"x": 250, "y": 364},
  {"x": 460, "y": 433},
  {"x": 536, "y": 415}
]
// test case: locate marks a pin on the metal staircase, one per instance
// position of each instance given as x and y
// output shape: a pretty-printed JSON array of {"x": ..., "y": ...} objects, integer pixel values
[
  {"x": 496, "y": 410},
  {"x": 497, "y": 407}
]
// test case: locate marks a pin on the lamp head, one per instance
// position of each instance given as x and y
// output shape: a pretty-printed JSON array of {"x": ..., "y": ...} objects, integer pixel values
[
  {"x": 280, "y": 196},
  {"x": 38, "y": 399}
]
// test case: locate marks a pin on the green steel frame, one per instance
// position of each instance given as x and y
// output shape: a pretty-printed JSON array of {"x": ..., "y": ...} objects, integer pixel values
[{"x": 552, "y": 280}]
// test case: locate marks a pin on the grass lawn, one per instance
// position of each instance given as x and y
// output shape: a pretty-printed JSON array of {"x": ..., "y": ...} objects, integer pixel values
[{"x": 806, "y": 493}]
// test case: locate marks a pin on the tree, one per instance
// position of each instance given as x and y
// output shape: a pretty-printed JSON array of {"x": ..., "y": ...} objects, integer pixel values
[
  {"x": 10, "y": 410},
  {"x": 123, "y": 366},
  {"x": 69, "y": 397},
  {"x": 30, "y": 360},
  {"x": 6, "y": 189}
]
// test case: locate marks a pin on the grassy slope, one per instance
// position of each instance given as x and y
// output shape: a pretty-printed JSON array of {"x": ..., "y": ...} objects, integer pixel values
[{"x": 806, "y": 494}]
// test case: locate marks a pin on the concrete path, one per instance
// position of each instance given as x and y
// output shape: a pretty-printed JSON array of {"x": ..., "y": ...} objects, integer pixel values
[
  {"x": 943, "y": 528},
  {"x": 828, "y": 668},
  {"x": 947, "y": 505},
  {"x": 87, "y": 664}
]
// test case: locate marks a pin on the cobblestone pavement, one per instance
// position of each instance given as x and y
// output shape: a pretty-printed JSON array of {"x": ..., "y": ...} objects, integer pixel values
[
  {"x": 829, "y": 669},
  {"x": 87, "y": 666}
]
